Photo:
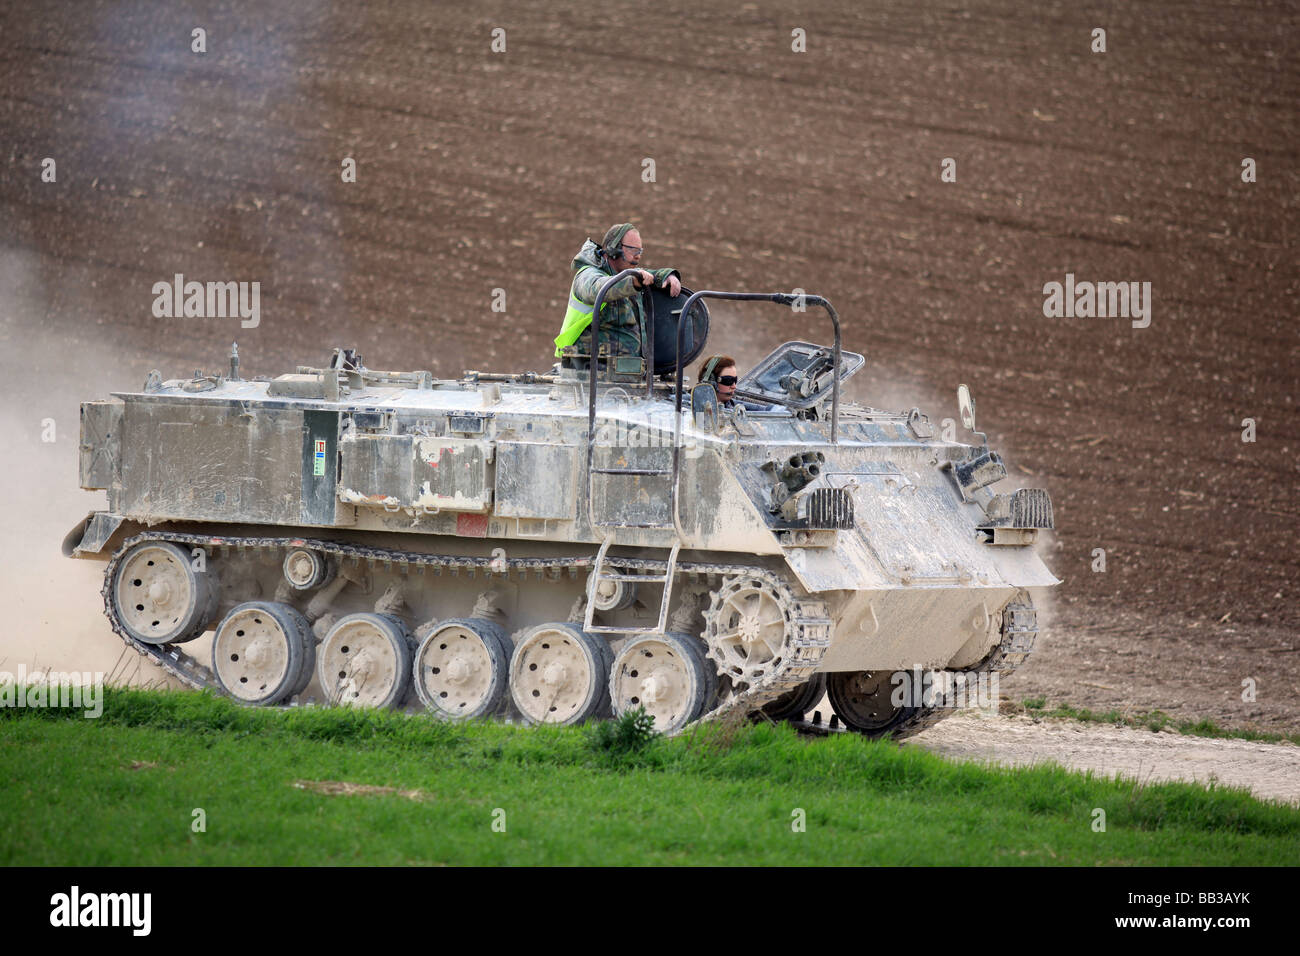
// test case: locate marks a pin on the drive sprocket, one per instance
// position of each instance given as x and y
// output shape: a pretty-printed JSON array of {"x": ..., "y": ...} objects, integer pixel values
[{"x": 749, "y": 627}]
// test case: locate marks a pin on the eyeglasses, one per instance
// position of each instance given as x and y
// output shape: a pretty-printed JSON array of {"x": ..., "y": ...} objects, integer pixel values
[
  {"x": 727, "y": 380},
  {"x": 632, "y": 250}
]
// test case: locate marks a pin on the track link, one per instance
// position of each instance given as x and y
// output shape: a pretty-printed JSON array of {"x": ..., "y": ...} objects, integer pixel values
[{"x": 1019, "y": 632}]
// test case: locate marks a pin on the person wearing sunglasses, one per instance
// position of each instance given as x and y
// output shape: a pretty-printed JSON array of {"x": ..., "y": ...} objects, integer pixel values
[
  {"x": 621, "y": 321},
  {"x": 720, "y": 371}
]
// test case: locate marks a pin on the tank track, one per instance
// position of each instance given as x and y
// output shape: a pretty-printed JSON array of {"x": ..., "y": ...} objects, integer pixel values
[
  {"x": 808, "y": 639},
  {"x": 1019, "y": 632}
]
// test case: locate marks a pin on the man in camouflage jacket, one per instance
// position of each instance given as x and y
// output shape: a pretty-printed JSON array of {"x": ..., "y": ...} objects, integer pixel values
[{"x": 621, "y": 321}]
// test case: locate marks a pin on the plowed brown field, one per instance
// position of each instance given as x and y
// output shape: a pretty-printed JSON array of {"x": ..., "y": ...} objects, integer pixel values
[{"x": 479, "y": 170}]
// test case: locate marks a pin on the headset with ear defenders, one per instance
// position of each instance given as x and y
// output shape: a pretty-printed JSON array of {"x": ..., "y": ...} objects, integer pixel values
[
  {"x": 612, "y": 252},
  {"x": 709, "y": 368}
]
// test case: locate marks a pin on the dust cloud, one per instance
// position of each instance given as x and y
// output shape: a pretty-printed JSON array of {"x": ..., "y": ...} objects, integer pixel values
[{"x": 51, "y": 611}]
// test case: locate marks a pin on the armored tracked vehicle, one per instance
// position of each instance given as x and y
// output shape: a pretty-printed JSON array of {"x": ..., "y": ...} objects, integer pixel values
[{"x": 564, "y": 545}]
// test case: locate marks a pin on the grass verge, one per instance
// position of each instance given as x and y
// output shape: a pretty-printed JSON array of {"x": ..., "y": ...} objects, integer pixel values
[
  {"x": 333, "y": 786},
  {"x": 1153, "y": 720}
]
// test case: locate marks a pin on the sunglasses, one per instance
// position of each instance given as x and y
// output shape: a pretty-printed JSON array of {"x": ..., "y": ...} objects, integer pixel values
[{"x": 727, "y": 379}]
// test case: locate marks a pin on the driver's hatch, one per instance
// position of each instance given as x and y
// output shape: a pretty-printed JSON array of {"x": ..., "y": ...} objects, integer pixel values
[{"x": 797, "y": 375}]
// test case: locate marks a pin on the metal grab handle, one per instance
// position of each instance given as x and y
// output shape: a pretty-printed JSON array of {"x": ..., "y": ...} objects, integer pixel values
[{"x": 780, "y": 298}]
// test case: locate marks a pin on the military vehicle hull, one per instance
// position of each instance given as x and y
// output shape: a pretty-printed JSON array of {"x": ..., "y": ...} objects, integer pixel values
[{"x": 503, "y": 543}]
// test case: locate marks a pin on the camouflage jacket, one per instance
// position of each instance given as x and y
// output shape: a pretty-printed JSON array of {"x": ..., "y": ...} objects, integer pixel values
[{"x": 622, "y": 315}]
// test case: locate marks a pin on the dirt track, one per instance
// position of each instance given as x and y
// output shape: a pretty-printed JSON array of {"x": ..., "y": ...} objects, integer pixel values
[
  {"x": 1270, "y": 771},
  {"x": 774, "y": 170}
]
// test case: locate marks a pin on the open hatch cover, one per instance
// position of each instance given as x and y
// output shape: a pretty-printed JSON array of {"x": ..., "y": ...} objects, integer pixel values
[{"x": 797, "y": 375}]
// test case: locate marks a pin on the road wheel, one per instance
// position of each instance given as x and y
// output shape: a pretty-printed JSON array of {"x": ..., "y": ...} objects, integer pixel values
[
  {"x": 794, "y": 704},
  {"x": 365, "y": 661},
  {"x": 862, "y": 700},
  {"x": 262, "y": 652},
  {"x": 462, "y": 668},
  {"x": 560, "y": 675},
  {"x": 159, "y": 597},
  {"x": 664, "y": 673}
]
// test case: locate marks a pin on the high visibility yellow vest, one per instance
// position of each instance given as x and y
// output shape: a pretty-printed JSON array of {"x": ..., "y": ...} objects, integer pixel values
[{"x": 576, "y": 320}]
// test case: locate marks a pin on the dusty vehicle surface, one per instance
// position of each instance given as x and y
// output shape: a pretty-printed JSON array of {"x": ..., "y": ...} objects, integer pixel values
[{"x": 560, "y": 545}]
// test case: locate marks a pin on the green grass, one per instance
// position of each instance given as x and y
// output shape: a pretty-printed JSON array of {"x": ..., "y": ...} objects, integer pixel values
[
  {"x": 1153, "y": 720},
  {"x": 569, "y": 795}
]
